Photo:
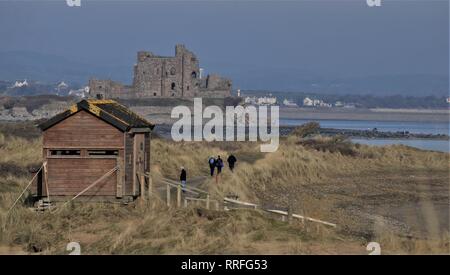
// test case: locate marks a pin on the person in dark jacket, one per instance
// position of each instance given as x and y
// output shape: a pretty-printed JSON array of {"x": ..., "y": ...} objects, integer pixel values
[
  {"x": 219, "y": 165},
  {"x": 231, "y": 161},
  {"x": 212, "y": 165},
  {"x": 183, "y": 177}
]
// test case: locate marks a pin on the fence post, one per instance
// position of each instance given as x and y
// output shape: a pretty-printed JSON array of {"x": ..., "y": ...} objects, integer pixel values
[
  {"x": 289, "y": 215},
  {"x": 217, "y": 206},
  {"x": 142, "y": 182},
  {"x": 185, "y": 203},
  {"x": 150, "y": 186},
  {"x": 207, "y": 201},
  {"x": 168, "y": 194},
  {"x": 179, "y": 196}
]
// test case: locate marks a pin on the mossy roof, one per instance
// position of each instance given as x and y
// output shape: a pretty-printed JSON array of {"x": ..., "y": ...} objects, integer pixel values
[{"x": 110, "y": 111}]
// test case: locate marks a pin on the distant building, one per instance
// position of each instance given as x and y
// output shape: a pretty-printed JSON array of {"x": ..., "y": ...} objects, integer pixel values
[
  {"x": 62, "y": 88},
  {"x": 165, "y": 76},
  {"x": 266, "y": 100},
  {"x": 83, "y": 92},
  {"x": 289, "y": 103},
  {"x": 250, "y": 100},
  {"x": 308, "y": 102},
  {"x": 19, "y": 84},
  {"x": 349, "y": 105},
  {"x": 448, "y": 100},
  {"x": 62, "y": 85},
  {"x": 339, "y": 104}
]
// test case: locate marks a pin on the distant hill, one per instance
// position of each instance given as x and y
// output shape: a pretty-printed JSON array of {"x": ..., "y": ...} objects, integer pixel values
[
  {"x": 51, "y": 68},
  {"x": 383, "y": 85}
]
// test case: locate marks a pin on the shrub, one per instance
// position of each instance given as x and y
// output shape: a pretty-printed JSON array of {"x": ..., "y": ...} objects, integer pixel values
[
  {"x": 307, "y": 129},
  {"x": 332, "y": 145}
]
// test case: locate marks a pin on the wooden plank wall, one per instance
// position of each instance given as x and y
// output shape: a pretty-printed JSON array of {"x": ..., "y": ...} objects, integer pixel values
[
  {"x": 129, "y": 158},
  {"x": 139, "y": 157},
  {"x": 83, "y": 130},
  {"x": 69, "y": 176},
  {"x": 147, "y": 152}
]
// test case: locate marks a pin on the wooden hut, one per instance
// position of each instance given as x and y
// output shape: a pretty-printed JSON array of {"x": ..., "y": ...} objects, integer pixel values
[{"x": 97, "y": 150}]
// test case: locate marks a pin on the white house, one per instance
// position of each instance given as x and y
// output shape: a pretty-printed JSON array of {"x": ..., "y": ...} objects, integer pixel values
[
  {"x": 289, "y": 103},
  {"x": 266, "y": 100},
  {"x": 250, "y": 100},
  {"x": 19, "y": 84},
  {"x": 308, "y": 102}
]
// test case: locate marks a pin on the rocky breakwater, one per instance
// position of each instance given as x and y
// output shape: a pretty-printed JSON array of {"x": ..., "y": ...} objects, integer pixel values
[{"x": 18, "y": 113}]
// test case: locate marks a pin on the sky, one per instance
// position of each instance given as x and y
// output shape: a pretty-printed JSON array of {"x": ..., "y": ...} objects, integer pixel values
[{"x": 319, "y": 38}]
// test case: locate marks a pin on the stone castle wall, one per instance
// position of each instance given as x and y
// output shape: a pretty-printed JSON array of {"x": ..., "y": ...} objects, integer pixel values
[{"x": 160, "y": 76}]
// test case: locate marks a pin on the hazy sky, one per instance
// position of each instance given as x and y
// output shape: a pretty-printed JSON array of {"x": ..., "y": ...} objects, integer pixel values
[{"x": 344, "y": 38}]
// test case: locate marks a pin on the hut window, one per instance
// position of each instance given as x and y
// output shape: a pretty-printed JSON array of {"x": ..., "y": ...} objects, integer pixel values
[
  {"x": 103, "y": 152},
  {"x": 65, "y": 152}
]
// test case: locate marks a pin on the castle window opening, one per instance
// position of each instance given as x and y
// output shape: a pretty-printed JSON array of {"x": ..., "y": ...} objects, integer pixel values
[
  {"x": 194, "y": 74},
  {"x": 172, "y": 71},
  {"x": 173, "y": 94},
  {"x": 187, "y": 88},
  {"x": 172, "y": 86},
  {"x": 99, "y": 96},
  {"x": 154, "y": 94}
]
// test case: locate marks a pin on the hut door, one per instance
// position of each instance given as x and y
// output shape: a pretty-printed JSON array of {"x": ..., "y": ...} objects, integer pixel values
[{"x": 139, "y": 147}]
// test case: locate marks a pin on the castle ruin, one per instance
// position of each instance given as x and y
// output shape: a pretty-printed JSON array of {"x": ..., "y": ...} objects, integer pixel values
[{"x": 164, "y": 76}]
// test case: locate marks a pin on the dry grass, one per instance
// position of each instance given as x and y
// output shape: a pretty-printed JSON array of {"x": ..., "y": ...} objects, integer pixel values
[{"x": 347, "y": 189}]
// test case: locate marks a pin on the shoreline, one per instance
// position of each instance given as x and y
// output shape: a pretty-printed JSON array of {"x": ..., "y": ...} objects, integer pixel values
[
  {"x": 388, "y": 115},
  {"x": 164, "y": 131}
]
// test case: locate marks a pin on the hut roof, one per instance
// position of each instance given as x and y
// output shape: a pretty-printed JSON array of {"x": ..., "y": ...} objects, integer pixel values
[{"x": 108, "y": 110}]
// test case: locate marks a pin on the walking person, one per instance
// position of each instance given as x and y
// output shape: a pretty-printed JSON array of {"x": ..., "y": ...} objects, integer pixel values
[
  {"x": 231, "y": 161},
  {"x": 219, "y": 165},
  {"x": 183, "y": 176},
  {"x": 212, "y": 164}
]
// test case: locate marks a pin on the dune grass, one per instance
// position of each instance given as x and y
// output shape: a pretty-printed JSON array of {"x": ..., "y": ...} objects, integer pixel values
[{"x": 316, "y": 179}]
